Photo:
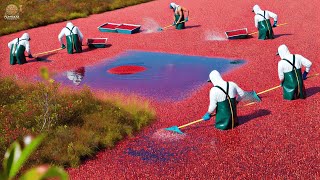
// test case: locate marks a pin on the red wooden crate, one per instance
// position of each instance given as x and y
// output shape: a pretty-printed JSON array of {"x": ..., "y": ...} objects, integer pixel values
[
  {"x": 128, "y": 28},
  {"x": 97, "y": 42},
  {"x": 237, "y": 34},
  {"x": 108, "y": 27}
]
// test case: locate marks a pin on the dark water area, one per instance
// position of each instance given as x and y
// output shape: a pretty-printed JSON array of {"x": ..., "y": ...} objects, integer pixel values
[{"x": 167, "y": 76}]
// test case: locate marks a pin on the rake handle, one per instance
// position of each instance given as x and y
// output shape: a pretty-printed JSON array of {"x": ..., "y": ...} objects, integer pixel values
[
  {"x": 314, "y": 75},
  {"x": 190, "y": 123},
  {"x": 199, "y": 120},
  {"x": 276, "y": 26},
  {"x": 276, "y": 87},
  {"x": 48, "y": 52},
  {"x": 173, "y": 24}
]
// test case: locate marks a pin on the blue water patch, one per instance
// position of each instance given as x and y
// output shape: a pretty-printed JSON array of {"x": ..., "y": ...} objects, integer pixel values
[
  {"x": 167, "y": 76},
  {"x": 157, "y": 155}
]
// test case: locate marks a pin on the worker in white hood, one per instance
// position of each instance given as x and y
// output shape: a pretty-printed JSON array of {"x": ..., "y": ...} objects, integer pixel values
[
  {"x": 17, "y": 48},
  {"x": 179, "y": 16},
  {"x": 74, "y": 38},
  {"x": 223, "y": 98},
  {"x": 262, "y": 22},
  {"x": 290, "y": 74}
]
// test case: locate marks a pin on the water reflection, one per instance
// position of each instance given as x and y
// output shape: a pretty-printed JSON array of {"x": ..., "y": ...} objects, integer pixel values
[
  {"x": 167, "y": 76},
  {"x": 76, "y": 76}
]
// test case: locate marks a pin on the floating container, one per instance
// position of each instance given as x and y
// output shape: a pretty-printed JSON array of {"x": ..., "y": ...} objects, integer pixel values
[
  {"x": 108, "y": 27},
  {"x": 237, "y": 34},
  {"x": 128, "y": 28},
  {"x": 97, "y": 42}
]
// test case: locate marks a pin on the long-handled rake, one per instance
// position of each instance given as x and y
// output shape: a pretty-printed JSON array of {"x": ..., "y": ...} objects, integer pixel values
[
  {"x": 276, "y": 87},
  {"x": 36, "y": 56},
  {"x": 161, "y": 29},
  {"x": 177, "y": 129},
  {"x": 258, "y": 31},
  {"x": 251, "y": 96}
]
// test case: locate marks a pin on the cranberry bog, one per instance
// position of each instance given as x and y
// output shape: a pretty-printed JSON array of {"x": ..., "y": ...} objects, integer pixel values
[
  {"x": 276, "y": 139},
  {"x": 159, "y": 76}
]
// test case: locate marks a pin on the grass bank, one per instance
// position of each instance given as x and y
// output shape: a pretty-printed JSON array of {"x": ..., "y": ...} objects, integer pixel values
[
  {"x": 34, "y": 13},
  {"x": 77, "y": 124}
]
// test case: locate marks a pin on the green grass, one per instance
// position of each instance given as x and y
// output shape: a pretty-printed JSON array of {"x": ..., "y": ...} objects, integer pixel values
[
  {"x": 77, "y": 124},
  {"x": 34, "y": 13}
]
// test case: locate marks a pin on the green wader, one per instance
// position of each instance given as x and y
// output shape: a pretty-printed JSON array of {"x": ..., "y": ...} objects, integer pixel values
[
  {"x": 265, "y": 28},
  {"x": 226, "y": 113},
  {"x": 293, "y": 87},
  {"x": 17, "y": 53},
  {"x": 73, "y": 42},
  {"x": 180, "y": 25}
]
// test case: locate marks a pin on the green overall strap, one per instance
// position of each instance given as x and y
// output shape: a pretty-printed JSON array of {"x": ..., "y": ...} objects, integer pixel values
[
  {"x": 228, "y": 97},
  {"x": 17, "y": 44},
  {"x": 264, "y": 15},
  {"x": 265, "y": 19},
  {"x": 15, "y": 47},
  {"x": 295, "y": 70},
  {"x": 71, "y": 34},
  {"x": 292, "y": 64}
]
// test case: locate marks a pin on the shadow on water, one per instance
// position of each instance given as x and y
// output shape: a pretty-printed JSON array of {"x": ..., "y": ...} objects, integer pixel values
[
  {"x": 93, "y": 48},
  {"x": 194, "y": 26},
  {"x": 43, "y": 58},
  {"x": 254, "y": 115},
  {"x": 312, "y": 91},
  {"x": 167, "y": 76},
  {"x": 279, "y": 35}
]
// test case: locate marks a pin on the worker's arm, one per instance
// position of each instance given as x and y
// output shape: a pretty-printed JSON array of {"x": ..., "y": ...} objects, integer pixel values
[
  {"x": 305, "y": 62},
  {"x": 240, "y": 92},
  {"x": 185, "y": 10},
  {"x": 273, "y": 15},
  {"x": 180, "y": 15},
  {"x": 213, "y": 101},
  {"x": 256, "y": 20},
  {"x": 212, "y": 106},
  {"x": 27, "y": 44},
  {"x": 60, "y": 36},
  {"x": 280, "y": 72},
  {"x": 11, "y": 43},
  {"x": 80, "y": 34}
]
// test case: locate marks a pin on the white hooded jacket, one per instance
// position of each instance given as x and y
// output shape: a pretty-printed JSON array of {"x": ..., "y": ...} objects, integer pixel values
[
  {"x": 216, "y": 95},
  {"x": 23, "y": 41},
  {"x": 284, "y": 66},
  {"x": 66, "y": 32},
  {"x": 258, "y": 18},
  {"x": 175, "y": 7}
]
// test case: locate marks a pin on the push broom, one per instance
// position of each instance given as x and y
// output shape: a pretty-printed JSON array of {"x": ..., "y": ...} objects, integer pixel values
[{"x": 251, "y": 95}]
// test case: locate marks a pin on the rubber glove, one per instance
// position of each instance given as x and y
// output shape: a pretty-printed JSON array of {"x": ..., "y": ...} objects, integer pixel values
[
  {"x": 63, "y": 46},
  {"x": 304, "y": 76},
  {"x": 281, "y": 83},
  {"x": 30, "y": 56},
  {"x": 275, "y": 24},
  {"x": 206, "y": 117},
  {"x": 187, "y": 19}
]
